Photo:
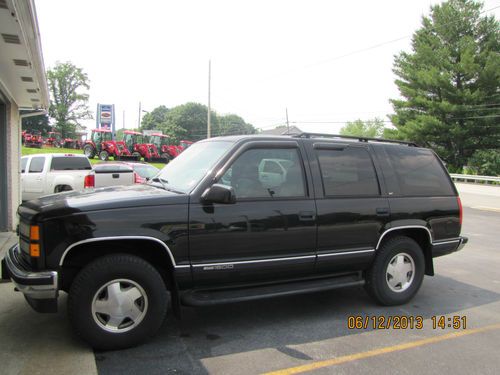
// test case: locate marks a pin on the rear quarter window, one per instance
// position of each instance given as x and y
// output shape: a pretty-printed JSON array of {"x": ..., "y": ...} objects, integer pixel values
[
  {"x": 417, "y": 172},
  {"x": 70, "y": 163}
]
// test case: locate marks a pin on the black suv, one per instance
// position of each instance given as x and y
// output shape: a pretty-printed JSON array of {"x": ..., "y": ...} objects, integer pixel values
[{"x": 236, "y": 219}]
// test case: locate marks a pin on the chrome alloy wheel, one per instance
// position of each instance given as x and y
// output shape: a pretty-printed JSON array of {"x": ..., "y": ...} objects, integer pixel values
[
  {"x": 400, "y": 272},
  {"x": 119, "y": 305}
]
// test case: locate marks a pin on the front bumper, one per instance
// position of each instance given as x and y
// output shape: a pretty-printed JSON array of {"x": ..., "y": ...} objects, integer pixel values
[{"x": 39, "y": 288}]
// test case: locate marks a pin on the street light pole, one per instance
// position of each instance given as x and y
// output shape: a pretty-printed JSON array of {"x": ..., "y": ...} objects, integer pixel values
[{"x": 208, "y": 114}]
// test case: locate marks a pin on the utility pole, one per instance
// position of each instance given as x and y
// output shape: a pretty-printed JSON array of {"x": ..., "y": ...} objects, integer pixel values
[
  {"x": 139, "y": 117},
  {"x": 287, "y": 123},
  {"x": 123, "y": 119},
  {"x": 208, "y": 114}
]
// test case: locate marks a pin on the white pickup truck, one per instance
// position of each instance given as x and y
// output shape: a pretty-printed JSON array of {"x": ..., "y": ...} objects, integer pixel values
[{"x": 43, "y": 174}]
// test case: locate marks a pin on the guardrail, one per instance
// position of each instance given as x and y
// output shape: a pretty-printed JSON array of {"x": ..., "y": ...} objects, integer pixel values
[{"x": 471, "y": 177}]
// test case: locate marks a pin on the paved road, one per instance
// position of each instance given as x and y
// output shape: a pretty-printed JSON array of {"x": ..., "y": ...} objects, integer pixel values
[{"x": 256, "y": 337}]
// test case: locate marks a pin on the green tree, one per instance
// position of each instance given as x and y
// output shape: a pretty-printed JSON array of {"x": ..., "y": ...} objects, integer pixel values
[
  {"x": 68, "y": 105},
  {"x": 155, "y": 118},
  {"x": 450, "y": 83},
  {"x": 486, "y": 162},
  {"x": 234, "y": 125},
  {"x": 371, "y": 128},
  {"x": 192, "y": 117},
  {"x": 39, "y": 123}
]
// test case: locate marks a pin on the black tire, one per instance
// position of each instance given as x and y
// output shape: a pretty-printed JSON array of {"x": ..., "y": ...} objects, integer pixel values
[
  {"x": 89, "y": 151},
  {"x": 112, "y": 269},
  {"x": 385, "y": 288},
  {"x": 61, "y": 188},
  {"x": 137, "y": 155},
  {"x": 166, "y": 156},
  {"x": 104, "y": 155}
]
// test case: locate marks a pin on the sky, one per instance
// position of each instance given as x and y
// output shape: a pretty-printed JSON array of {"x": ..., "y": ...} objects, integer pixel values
[{"x": 326, "y": 62}]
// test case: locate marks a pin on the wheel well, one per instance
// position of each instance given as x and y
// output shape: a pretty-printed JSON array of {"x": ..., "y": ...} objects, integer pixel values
[
  {"x": 420, "y": 236},
  {"x": 152, "y": 252},
  {"x": 63, "y": 187}
]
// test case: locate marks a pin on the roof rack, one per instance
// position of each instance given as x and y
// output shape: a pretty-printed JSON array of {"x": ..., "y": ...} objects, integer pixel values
[{"x": 359, "y": 139}]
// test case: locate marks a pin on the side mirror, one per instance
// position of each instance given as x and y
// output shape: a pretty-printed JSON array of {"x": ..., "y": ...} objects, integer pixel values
[{"x": 218, "y": 193}]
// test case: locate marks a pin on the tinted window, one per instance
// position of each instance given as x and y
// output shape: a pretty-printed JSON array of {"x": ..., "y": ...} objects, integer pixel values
[
  {"x": 418, "y": 172},
  {"x": 69, "y": 163},
  {"x": 266, "y": 173},
  {"x": 36, "y": 165},
  {"x": 23, "y": 164},
  {"x": 347, "y": 172}
]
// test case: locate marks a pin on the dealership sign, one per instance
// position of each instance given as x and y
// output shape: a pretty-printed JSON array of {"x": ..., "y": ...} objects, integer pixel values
[{"x": 105, "y": 118}]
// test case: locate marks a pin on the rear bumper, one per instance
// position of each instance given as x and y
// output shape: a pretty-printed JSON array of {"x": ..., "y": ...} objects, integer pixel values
[
  {"x": 440, "y": 248},
  {"x": 39, "y": 288}
]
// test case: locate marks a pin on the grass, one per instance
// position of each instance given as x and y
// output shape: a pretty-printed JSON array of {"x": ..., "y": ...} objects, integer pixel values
[{"x": 53, "y": 150}]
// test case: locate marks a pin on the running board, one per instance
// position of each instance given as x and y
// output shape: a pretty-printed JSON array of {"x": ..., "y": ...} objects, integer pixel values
[{"x": 220, "y": 296}]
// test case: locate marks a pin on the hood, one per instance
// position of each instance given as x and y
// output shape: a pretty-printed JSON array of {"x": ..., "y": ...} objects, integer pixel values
[{"x": 107, "y": 198}]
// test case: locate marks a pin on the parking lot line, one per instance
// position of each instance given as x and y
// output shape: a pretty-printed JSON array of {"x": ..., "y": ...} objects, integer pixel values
[{"x": 379, "y": 351}]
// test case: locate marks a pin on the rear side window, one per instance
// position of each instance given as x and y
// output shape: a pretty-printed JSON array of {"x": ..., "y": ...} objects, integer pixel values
[
  {"x": 418, "y": 172},
  {"x": 70, "y": 163},
  {"x": 347, "y": 172},
  {"x": 36, "y": 165}
]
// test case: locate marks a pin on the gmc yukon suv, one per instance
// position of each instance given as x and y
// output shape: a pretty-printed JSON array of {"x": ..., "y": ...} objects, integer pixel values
[{"x": 236, "y": 219}]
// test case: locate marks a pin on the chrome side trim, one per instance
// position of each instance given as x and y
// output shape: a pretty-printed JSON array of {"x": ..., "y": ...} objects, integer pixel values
[
  {"x": 404, "y": 227},
  {"x": 253, "y": 261},
  {"x": 437, "y": 243},
  {"x": 346, "y": 253},
  {"x": 98, "y": 239}
]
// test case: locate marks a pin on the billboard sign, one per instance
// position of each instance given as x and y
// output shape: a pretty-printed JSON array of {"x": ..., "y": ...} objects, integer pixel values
[{"x": 105, "y": 118}]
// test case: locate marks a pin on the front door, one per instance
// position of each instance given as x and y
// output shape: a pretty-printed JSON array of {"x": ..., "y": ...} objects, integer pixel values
[
  {"x": 32, "y": 180},
  {"x": 269, "y": 233}
]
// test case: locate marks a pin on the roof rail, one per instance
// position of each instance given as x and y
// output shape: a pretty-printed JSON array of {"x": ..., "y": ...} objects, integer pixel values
[{"x": 359, "y": 139}]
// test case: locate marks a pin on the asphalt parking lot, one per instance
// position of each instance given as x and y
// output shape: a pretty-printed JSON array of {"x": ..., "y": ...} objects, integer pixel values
[{"x": 299, "y": 333}]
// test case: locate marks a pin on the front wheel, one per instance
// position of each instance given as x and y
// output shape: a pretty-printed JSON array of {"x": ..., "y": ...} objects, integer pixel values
[
  {"x": 117, "y": 301},
  {"x": 104, "y": 155},
  {"x": 397, "y": 272}
]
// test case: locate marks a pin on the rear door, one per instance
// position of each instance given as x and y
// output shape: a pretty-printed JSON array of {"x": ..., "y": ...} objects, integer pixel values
[{"x": 351, "y": 209}]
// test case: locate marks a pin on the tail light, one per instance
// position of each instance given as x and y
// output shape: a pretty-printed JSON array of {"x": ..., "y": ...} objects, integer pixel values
[
  {"x": 461, "y": 211},
  {"x": 89, "y": 181},
  {"x": 138, "y": 179}
]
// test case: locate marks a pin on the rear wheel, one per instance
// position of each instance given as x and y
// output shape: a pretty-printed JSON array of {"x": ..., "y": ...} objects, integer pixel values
[
  {"x": 397, "y": 272},
  {"x": 89, "y": 151},
  {"x": 117, "y": 301},
  {"x": 136, "y": 155},
  {"x": 103, "y": 155},
  {"x": 166, "y": 156}
]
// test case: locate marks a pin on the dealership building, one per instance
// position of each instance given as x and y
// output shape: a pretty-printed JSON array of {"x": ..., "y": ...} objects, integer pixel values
[{"x": 23, "y": 87}]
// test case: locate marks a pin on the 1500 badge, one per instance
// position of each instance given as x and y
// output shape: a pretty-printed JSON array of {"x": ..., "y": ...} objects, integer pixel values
[{"x": 217, "y": 267}]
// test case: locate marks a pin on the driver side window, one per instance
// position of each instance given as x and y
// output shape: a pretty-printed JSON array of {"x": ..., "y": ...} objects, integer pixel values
[{"x": 267, "y": 173}]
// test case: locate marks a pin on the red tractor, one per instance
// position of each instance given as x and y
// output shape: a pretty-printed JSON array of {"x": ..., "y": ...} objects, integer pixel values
[
  {"x": 164, "y": 144},
  {"x": 185, "y": 144},
  {"x": 54, "y": 140},
  {"x": 33, "y": 139},
  {"x": 103, "y": 145},
  {"x": 136, "y": 144},
  {"x": 69, "y": 143}
]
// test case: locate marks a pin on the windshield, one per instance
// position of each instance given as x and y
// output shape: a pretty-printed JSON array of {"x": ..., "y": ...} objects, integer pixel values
[{"x": 185, "y": 171}]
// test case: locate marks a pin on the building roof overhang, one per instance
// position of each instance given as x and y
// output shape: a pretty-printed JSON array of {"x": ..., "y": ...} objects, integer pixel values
[{"x": 22, "y": 70}]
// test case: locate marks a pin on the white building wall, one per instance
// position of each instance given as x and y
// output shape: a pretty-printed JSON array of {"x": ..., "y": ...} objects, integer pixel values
[{"x": 14, "y": 164}]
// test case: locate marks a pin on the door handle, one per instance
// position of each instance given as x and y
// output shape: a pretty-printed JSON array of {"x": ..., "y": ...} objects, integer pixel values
[
  {"x": 307, "y": 216},
  {"x": 383, "y": 211}
]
